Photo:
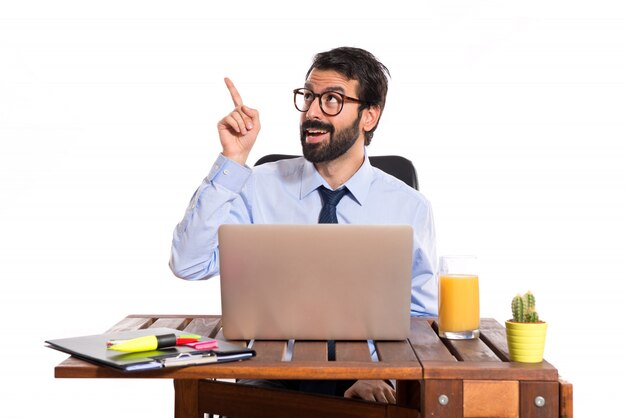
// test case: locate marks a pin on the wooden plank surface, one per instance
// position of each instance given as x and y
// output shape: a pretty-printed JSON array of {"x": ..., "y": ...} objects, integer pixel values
[
  {"x": 206, "y": 327},
  {"x": 566, "y": 399},
  {"x": 186, "y": 399},
  {"x": 176, "y": 322},
  {"x": 249, "y": 369},
  {"x": 490, "y": 398},
  {"x": 353, "y": 361},
  {"x": 353, "y": 351},
  {"x": 270, "y": 351},
  {"x": 529, "y": 393},
  {"x": 310, "y": 351},
  {"x": 494, "y": 335},
  {"x": 489, "y": 371},
  {"x": 395, "y": 351},
  {"x": 471, "y": 350},
  {"x": 432, "y": 393},
  {"x": 426, "y": 343}
]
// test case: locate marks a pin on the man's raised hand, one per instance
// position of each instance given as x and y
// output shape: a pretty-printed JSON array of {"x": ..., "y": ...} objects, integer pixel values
[{"x": 238, "y": 130}]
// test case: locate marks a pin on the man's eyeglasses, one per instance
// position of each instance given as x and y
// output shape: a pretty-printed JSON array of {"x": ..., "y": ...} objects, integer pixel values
[{"x": 331, "y": 102}]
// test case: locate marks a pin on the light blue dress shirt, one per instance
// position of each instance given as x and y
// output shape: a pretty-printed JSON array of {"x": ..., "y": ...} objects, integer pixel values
[{"x": 286, "y": 192}]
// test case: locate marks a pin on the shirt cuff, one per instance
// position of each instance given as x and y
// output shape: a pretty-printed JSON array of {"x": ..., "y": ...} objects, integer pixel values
[{"x": 229, "y": 174}]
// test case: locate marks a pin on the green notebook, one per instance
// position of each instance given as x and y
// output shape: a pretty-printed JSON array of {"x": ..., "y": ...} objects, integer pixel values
[{"x": 93, "y": 348}]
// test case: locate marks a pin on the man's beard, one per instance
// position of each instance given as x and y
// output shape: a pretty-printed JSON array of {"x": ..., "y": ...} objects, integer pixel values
[{"x": 337, "y": 145}]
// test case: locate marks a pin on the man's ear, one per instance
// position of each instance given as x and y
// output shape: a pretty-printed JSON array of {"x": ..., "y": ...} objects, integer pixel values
[{"x": 370, "y": 117}]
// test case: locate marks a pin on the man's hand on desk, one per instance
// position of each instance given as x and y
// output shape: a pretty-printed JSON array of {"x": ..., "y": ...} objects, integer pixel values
[{"x": 372, "y": 390}]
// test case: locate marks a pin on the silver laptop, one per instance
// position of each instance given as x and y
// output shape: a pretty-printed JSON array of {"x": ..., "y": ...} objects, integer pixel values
[{"x": 316, "y": 282}]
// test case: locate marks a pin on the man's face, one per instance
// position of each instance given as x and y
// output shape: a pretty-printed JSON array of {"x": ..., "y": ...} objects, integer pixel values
[{"x": 323, "y": 137}]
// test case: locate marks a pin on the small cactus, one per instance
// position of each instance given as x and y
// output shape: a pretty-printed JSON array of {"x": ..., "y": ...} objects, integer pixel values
[{"x": 523, "y": 308}]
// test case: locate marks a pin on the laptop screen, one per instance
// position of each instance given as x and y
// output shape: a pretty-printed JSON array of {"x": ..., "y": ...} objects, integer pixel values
[{"x": 316, "y": 282}]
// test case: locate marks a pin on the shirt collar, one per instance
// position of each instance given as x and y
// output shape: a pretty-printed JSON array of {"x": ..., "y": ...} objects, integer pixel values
[{"x": 358, "y": 185}]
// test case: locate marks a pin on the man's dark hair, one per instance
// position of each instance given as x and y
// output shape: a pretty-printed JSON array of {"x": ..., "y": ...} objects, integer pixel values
[{"x": 360, "y": 65}]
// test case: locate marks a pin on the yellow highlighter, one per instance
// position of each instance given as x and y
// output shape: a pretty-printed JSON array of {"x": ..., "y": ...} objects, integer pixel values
[{"x": 147, "y": 343}]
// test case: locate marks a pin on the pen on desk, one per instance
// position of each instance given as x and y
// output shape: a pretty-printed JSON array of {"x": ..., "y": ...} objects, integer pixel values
[
  {"x": 150, "y": 342},
  {"x": 187, "y": 359}
]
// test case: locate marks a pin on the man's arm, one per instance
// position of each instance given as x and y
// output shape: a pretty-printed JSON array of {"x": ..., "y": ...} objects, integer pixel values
[
  {"x": 218, "y": 200},
  {"x": 424, "y": 283}
]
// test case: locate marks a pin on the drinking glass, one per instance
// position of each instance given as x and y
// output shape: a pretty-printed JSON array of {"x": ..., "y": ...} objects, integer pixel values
[{"x": 459, "y": 303}]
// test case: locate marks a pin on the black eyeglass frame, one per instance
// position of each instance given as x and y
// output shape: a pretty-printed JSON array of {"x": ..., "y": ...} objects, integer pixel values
[{"x": 319, "y": 97}]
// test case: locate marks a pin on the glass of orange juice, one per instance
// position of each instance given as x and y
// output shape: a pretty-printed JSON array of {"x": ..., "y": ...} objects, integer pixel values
[{"x": 459, "y": 303}]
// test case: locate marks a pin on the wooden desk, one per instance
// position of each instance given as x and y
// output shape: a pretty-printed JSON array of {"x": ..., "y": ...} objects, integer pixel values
[{"x": 435, "y": 378}]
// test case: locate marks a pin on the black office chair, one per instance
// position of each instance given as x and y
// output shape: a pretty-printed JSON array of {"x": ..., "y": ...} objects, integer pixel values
[{"x": 395, "y": 165}]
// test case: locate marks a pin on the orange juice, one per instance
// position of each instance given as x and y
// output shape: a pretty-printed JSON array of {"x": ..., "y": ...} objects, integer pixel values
[{"x": 459, "y": 307}]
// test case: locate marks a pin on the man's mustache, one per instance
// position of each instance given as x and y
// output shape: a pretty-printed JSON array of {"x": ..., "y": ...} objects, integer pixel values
[{"x": 316, "y": 124}]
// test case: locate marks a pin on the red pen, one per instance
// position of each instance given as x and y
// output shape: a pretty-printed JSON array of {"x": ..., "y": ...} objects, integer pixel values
[
  {"x": 152, "y": 342},
  {"x": 186, "y": 340}
]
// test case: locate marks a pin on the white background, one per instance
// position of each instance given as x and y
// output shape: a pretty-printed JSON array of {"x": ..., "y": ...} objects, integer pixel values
[{"x": 512, "y": 112}]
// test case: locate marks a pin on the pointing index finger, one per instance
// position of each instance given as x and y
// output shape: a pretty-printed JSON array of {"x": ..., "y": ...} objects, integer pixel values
[{"x": 234, "y": 94}]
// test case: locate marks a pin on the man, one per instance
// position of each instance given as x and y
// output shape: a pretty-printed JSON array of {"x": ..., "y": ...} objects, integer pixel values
[{"x": 341, "y": 103}]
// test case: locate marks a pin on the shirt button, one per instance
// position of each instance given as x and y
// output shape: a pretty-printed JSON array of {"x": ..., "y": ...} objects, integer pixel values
[{"x": 226, "y": 172}]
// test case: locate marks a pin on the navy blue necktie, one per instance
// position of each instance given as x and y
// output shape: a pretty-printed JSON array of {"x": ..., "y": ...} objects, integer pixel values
[
  {"x": 331, "y": 198},
  {"x": 328, "y": 215}
]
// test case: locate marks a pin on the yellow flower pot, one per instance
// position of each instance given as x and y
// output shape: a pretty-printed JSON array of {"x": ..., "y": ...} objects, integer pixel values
[{"x": 526, "y": 341}]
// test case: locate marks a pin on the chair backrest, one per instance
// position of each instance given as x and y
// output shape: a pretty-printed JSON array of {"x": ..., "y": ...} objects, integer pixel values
[{"x": 395, "y": 165}]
